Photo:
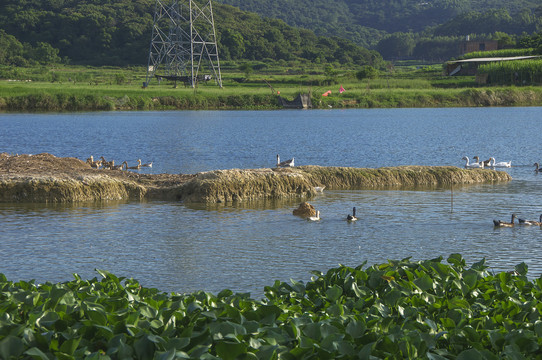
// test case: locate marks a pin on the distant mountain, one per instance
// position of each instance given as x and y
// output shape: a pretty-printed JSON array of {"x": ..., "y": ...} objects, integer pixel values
[{"x": 367, "y": 21}]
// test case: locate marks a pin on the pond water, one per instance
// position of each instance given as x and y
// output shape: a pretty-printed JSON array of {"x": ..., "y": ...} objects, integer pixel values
[{"x": 244, "y": 247}]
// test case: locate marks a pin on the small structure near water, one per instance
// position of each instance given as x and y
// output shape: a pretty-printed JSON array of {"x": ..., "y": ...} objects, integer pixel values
[{"x": 302, "y": 101}]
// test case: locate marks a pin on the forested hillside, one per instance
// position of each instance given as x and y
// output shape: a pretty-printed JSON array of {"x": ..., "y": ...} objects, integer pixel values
[
  {"x": 366, "y": 21},
  {"x": 422, "y": 29},
  {"x": 108, "y": 32}
]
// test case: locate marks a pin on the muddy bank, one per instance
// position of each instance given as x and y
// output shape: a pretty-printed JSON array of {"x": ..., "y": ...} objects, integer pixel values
[{"x": 45, "y": 178}]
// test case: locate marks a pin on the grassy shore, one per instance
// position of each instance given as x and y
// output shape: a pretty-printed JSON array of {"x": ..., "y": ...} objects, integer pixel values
[{"x": 83, "y": 89}]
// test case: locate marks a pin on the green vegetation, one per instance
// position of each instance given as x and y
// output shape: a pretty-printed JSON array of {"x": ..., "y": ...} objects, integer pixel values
[
  {"x": 513, "y": 72},
  {"x": 103, "y": 32},
  {"x": 76, "y": 88},
  {"x": 396, "y": 310}
]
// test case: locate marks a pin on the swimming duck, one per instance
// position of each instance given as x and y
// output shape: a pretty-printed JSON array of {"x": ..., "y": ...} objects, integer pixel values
[
  {"x": 500, "y": 223},
  {"x": 144, "y": 165},
  {"x": 353, "y": 216},
  {"x": 315, "y": 218},
  {"x": 530, "y": 222},
  {"x": 319, "y": 188},
  {"x": 468, "y": 165},
  {"x": 285, "y": 162},
  {"x": 537, "y": 169},
  {"x": 500, "y": 164},
  {"x": 131, "y": 167}
]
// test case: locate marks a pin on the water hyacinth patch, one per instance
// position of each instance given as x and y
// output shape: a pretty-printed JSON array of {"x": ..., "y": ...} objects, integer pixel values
[{"x": 401, "y": 309}]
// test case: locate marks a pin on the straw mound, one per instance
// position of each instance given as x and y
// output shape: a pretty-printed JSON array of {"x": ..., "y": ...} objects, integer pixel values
[
  {"x": 305, "y": 210},
  {"x": 348, "y": 178},
  {"x": 46, "y": 178},
  {"x": 241, "y": 185}
]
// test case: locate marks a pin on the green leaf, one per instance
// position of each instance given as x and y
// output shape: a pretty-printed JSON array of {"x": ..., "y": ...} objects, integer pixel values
[
  {"x": 230, "y": 350},
  {"x": 522, "y": 268},
  {"x": 356, "y": 328},
  {"x": 36, "y": 353},
  {"x": 424, "y": 282},
  {"x": 11, "y": 347},
  {"x": 471, "y": 354},
  {"x": 69, "y": 346},
  {"x": 334, "y": 293}
]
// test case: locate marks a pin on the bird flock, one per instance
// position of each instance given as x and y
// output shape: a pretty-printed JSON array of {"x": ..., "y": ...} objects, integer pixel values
[
  {"x": 102, "y": 163},
  {"x": 489, "y": 163},
  {"x": 501, "y": 223}
]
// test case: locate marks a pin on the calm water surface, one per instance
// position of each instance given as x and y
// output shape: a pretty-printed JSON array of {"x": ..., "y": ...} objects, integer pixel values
[{"x": 244, "y": 247}]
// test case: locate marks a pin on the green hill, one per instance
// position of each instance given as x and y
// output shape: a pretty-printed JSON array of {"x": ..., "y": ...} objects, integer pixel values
[
  {"x": 367, "y": 21},
  {"x": 106, "y": 32}
]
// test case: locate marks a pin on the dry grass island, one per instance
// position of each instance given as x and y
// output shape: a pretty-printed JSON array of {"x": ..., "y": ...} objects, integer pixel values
[{"x": 45, "y": 178}]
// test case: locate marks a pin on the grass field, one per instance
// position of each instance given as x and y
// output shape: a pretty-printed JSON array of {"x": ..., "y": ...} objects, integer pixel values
[{"x": 77, "y": 88}]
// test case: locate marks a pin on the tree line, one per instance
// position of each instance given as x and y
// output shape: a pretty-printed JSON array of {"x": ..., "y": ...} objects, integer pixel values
[{"x": 107, "y": 32}]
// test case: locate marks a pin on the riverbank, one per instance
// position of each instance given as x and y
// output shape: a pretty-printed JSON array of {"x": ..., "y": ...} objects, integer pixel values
[
  {"x": 45, "y": 178},
  {"x": 28, "y": 97}
]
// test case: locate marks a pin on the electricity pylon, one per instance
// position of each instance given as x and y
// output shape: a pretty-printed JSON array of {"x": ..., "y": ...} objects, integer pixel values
[{"x": 183, "y": 41}]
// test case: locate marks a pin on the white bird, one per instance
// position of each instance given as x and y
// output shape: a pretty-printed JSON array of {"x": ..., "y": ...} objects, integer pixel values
[
  {"x": 468, "y": 165},
  {"x": 353, "y": 216},
  {"x": 285, "y": 162},
  {"x": 319, "y": 188},
  {"x": 500, "y": 164},
  {"x": 315, "y": 218}
]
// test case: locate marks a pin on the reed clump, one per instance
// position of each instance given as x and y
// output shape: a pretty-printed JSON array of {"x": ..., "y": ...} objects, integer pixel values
[
  {"x": 400, "y": 176},
  {"x": 242, "y": 185},
  {"x": 51, "y": 189}
]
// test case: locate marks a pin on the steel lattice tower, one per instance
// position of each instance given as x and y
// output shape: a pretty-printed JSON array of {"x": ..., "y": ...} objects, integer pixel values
[{"x": 183, "y": 41}]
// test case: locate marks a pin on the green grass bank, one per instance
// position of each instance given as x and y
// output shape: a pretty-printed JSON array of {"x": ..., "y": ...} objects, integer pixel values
[
  {"x": 401, "y": 309},
  {"x": 73, "y": 88},
  {"x": 56, "y": 98}
]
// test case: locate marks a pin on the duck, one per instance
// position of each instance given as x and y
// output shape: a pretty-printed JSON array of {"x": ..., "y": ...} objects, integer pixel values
[
  {"x": 537, "y": 169},
  {"x": 353, "y": 216},
  {"x": 285, "y": 163},
  {"x": 116, "y": 167},
  {"x": 137, "y": 167},
  {"x": 500, "y": 223},
  {"x": 468, "y": 165},
  {"x": 144, "y": 165},
  {"x": 315, "y": 218},
  {"x": 319, "y": 188},
  {"x": 500, "y": 164},
  {"x": 107, "y": 164},
  {"x": 485, "y": 163},
  {"x": 94, "y": 164},
  {"x": 530, "y": 222}
]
